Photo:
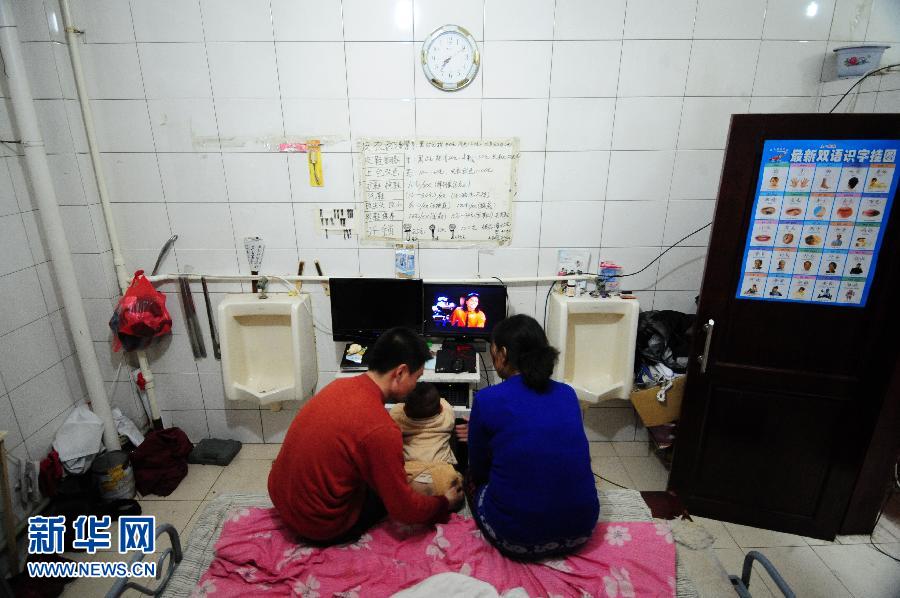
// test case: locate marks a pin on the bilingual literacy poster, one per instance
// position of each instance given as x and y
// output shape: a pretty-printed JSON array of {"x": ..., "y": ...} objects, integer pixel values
[
  {"x": 438, "y": 192},
  {"x": 818, "y": 220}
]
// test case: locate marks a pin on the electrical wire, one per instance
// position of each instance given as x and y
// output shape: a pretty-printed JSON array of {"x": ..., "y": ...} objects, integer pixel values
[
  {"x": 887, "y": 499},
  {"x": 861, "y": 79},
  {"x": 487, "y": 378},
  {"x": 656, "y": 259},
  {"x": 547, "y": 302},
  {"x": 316, "y": 324},
  {"x": 507, "y": 294},
  {"x": 597, "y": 475},
  {"x": 669, "y": 248}
]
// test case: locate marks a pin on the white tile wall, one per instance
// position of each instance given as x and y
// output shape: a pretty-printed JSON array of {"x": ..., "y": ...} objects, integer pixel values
[
  {"x": 41, "y": 68},
  {"x": 660, "y": 19},
  {"x": 705, "y": 121},
  {"x": 448, "y": 118},
  {"x": 192, "y": 177},
  {"x": 380, "y": 70},
  {"x": 729, "y": 19},
  {"x": 585, "y": 68},
  {"x": 257, "y": 177},
  {"x": 646, "y": 123},
  {"x": 798, "y": 19},
  {"x": 242, "y": 69},
  {"x": 580, "y": 124},
  {"x": 525, "y": 119},
  {"x": 575, "y": 176},
  {"x": 387, "y": 20},
  {"x": 626, "y": 175},
  {"x": 178, "y": 123},
  {"x": 189, "y": 80},
  {"x": 237, "y": 20},
  {"x": 21, "y": 300},
  {"x": 722, "y": 68},
  {"x": 312, "y": 69},
  {"x": 654, "y": 67},
  {"x": 104, "y": 21},
  {"x": 586, "y": 19},
  {"x": 167, "y": 20},
  {"x": 502, "y": 69},
  {"x": 112, "y": 71},
  {"x": 518, "y": 19},
  {"x": 428, "y": 15},
  {"x": 621, "y": 108}
]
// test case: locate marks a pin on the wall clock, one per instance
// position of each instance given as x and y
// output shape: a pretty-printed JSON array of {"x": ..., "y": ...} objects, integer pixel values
[{"x": 450, "y": 58}]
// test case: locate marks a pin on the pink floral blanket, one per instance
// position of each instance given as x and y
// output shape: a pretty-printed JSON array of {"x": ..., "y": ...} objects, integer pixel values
[{"x": 257, "y": 555}]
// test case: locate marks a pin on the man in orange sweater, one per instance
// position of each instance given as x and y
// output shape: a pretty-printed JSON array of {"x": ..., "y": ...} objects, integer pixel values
[{"x": 341, "y": 464}]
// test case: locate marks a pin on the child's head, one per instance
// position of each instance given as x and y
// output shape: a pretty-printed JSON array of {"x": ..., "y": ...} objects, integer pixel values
[{"x": 423, "y": 402}]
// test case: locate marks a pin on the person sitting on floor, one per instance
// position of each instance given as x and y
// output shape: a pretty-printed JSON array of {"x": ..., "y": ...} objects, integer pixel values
[
  {"x": 426, "y": 421},
  {"x": 531, "y": 486},
  {"x": 340, "y": 468}
]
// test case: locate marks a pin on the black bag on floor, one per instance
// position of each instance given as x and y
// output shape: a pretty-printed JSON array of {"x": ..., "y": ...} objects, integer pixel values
[{"x": 664, "y": 337}]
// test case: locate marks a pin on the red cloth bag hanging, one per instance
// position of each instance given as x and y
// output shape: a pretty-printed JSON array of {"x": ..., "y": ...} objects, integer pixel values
[{"x": 140, "y": 316}]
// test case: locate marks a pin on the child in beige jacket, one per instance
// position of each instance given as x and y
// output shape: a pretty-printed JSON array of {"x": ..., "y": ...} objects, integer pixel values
[{"x": 427, "y": 421}]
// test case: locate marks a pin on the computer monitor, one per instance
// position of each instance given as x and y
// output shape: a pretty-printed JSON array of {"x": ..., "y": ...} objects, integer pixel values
[
  {"x": 463, "y": 310},
  {"x": 363, "y": 308}
]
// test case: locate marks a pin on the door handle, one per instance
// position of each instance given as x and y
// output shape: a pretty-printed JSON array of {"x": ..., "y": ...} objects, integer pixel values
[{"x": 704, "y": 359}]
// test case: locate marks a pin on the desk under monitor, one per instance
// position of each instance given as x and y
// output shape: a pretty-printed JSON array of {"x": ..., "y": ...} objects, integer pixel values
[
  {"x": 461, "y": 316},
  {"x": 461, "y": 384}
]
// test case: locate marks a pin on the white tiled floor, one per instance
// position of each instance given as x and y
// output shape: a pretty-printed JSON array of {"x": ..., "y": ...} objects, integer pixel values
[{"x": 847, "y": 567}]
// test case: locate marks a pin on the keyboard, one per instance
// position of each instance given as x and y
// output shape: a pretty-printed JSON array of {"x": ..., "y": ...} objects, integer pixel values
[{"x": 455, "y": 393}]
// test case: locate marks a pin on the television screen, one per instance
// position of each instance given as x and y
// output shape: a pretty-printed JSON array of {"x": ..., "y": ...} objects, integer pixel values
[
  {"x": 469, "y": 310},
  {"x": 363, "y": 308}
]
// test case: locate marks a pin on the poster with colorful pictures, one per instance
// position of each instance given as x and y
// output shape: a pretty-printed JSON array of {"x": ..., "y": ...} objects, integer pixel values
[{"x": 818, "y": 219}]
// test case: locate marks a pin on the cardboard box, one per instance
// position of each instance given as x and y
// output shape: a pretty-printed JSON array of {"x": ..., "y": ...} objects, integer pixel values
[{"x": 654, "y": 413}]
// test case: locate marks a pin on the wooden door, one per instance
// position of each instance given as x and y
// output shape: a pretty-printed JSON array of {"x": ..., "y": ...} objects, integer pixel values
[{"x": 775, "y": 427}]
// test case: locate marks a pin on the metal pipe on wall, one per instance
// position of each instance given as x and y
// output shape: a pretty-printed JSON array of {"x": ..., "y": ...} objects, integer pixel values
[
  {"x": 293, "y": 278},
  {"x": 121, "y": 273},
  {"x": 25, "y": 118}
]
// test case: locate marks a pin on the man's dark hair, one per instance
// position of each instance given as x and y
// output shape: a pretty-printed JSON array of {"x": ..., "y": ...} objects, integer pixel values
[
  {"x": 423, "y": 402},
  {"x": 395, "y": 347}
]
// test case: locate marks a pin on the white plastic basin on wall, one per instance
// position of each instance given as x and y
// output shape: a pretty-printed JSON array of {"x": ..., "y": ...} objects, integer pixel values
[{"x": 596, "y": 340}]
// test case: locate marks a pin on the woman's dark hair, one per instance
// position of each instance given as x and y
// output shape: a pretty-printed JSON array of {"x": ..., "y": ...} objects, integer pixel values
[
  {"x": 527, "y": 349},
  {"x": 395, "y": 347},
  {"x": 464, "y": 302}
]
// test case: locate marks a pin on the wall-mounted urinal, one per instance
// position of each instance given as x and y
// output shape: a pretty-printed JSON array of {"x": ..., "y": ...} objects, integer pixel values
[
  {"x": 268, "y": 348},
  {"x": 596, "y": 340}
]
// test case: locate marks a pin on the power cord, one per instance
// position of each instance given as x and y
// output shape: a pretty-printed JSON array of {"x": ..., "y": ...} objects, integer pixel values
[
  {"x": 887, "y": 499},
  {"x": 861, "y": 79},
  {"x": 487, "y": 378},
  {"x": 507, "y": 293},
  {"x": 669, "y": 248},
  {"x": 656, "y": 259},
  {"x": 597, "y": 475}
]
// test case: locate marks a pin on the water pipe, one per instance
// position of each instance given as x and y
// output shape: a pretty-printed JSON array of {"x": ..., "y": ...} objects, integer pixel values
[
  {"x": 290, "y": 278},
  {"x": 121, "y": 273},
  {"x": 38, "y": 170}
]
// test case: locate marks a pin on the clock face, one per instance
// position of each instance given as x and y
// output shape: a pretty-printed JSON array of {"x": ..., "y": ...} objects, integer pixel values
[{"x": 450, "y": 58}]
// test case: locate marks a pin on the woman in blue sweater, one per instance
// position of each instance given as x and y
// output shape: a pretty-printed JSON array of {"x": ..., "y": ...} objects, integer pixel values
[{"x": 534, "y": 494}]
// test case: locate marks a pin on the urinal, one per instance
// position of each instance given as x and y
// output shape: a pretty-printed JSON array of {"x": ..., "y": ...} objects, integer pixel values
[
  {"x": 268, "y": 348},
  {"x": 596, "y": 340}
]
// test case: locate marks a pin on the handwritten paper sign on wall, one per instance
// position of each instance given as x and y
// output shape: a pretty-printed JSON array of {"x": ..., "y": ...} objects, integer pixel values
[{"x": 438, "y": 192}]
